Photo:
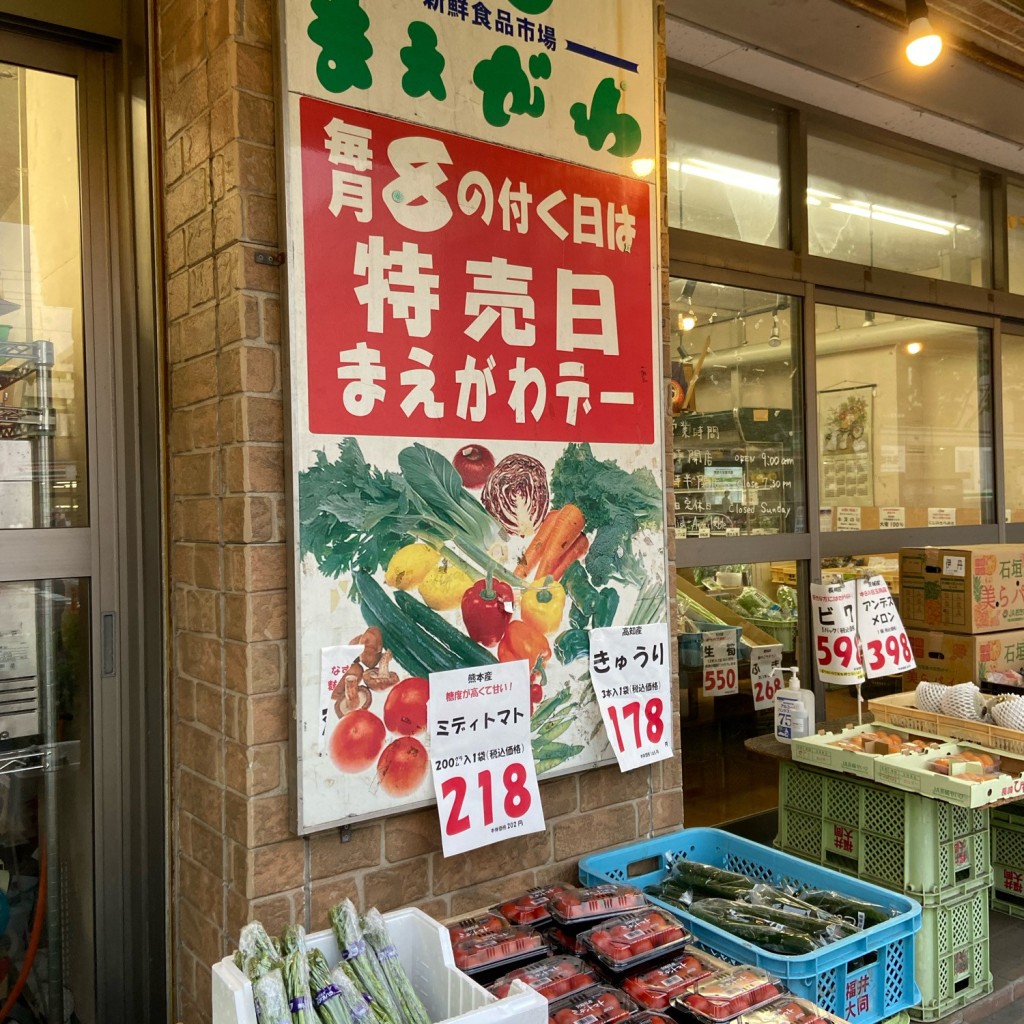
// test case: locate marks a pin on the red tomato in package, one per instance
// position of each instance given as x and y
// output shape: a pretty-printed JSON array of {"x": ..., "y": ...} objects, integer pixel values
[
  {"x": 623, "y": 940},
  {"x": 553, "y": 978},
  {"x": 494, "y": 948},
  {"x": 595, "y": 901},
  {"x": 531, "y": 907},
  {"x": 654, "y": 988},
  {"x": 470, "y": 927},
  {"x": 600, "y": 1005}
]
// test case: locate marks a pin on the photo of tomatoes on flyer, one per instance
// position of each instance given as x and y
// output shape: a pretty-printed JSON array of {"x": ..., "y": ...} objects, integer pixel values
[{"x": 465, "y": 555}]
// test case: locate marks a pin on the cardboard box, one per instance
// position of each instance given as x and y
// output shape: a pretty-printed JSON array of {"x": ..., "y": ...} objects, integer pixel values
[
  {"x": 977, "y": 589},
  {"x": 958, "y": 658}
]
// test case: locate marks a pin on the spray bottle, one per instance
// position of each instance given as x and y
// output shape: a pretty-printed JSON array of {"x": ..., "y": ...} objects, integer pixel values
[{"x": 794, "y": 709}]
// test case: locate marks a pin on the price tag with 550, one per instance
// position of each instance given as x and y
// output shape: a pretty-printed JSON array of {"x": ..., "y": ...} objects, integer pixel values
[
  {"x": 480, "y": 755},
  {"x": 629, "y": 667},
  {"x": 718, "y": 658}
]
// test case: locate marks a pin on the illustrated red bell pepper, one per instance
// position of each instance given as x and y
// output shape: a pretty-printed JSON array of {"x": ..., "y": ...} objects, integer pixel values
[
  {"x": 523, "y": 641},
  {"x": 487, "y": 610}
]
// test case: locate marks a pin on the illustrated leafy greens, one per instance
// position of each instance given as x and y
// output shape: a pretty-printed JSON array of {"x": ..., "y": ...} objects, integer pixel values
[
  {"x": 355, "y": 516},
  {"x": 615, "y": 503}
]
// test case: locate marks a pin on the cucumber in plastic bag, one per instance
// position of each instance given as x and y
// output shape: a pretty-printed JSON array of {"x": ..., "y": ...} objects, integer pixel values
[
  {"x": 849, "y": 908},
  {"x": 691, "y": 874},
  {"x": 747, "y": 923}
]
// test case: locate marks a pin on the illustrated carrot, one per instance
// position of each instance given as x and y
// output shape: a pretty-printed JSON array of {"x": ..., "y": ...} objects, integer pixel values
[
  {"x": 575, "y": 551},
  {"x": 532, "y": 554},
  {"x": 565, "y": 532}
]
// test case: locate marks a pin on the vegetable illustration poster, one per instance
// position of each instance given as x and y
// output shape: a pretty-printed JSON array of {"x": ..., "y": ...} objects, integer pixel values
[{"x": 476, "y": 434}]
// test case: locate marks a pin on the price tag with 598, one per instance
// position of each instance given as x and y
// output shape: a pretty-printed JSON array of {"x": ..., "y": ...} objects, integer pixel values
[
  {"x": 480, "y": 755},
  {"x": 629, "y": 667}
]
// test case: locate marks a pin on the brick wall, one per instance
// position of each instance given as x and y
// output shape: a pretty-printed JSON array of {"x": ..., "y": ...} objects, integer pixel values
[{"x": 234, "y": 853}]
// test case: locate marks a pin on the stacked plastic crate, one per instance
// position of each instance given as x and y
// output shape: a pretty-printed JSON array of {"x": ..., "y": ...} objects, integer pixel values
[
  {"x": 937, "y": 853},
  {"x": 1008, "y": 859}
]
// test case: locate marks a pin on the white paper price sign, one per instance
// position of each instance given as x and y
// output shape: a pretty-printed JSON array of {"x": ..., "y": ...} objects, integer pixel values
[
  {"x": 834, "y": 615},
  {"x": 629, "y": 666},
  {"x": 882, "y": 636},
  {"x": 334, "y": 665},
  {"x": 721, "y": 677},
  {"x": 484, "y": 776},
  {"x": 764, "y": 680}
]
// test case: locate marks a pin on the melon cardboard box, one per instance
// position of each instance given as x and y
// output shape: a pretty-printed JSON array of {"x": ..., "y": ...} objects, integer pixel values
[
  {"x": 958, "y": 658},
  {"x": 977, "y": 589}
]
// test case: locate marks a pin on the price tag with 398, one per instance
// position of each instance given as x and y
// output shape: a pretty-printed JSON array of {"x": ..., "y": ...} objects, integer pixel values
[
  {"x": 480, "y": 755},
  {"x": 629, "y": 667}
]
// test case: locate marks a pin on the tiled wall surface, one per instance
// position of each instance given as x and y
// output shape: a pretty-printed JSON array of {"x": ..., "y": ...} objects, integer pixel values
[{"x": 235, "y": 855}]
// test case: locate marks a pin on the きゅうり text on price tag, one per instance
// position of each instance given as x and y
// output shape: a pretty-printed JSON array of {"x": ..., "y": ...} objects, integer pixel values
[
  {"x": 834, "y": 617},
  {"x": 764, "y": 680},
  {"x": 480, "y": 756},
  {"x": 883, "y": 639},
  {"x": 719, "y": 664},
  {"x": 630, "y": 670},
  {"x": 334, "y": 663}
]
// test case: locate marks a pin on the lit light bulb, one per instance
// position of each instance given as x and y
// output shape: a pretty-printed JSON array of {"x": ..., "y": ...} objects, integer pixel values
[
  {"x": 642, "y": 166},
  {"x": 924, "y": 44},
  {"x": 914, "y": 347}
]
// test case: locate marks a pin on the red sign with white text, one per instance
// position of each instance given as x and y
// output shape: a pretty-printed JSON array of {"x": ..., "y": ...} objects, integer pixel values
[{"x": 458, "y": 289}]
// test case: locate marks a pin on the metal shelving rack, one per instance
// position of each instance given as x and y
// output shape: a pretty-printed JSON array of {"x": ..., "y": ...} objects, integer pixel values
[{"x": 20, "y": 361}]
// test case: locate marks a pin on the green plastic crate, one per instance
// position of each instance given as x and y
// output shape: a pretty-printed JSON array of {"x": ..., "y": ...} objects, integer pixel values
[
  {"x": 952, "y": 956},
  {"x": 1008, "y": 864},
  {"x": 900, "y": 840}
]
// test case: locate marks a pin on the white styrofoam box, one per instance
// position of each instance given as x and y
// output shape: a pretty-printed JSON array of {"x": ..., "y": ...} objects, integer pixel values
[{"x": 425, "y": 949}]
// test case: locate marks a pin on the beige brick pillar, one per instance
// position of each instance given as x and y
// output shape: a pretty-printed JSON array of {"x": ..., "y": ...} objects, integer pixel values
[{"x": 234, "y": 854}]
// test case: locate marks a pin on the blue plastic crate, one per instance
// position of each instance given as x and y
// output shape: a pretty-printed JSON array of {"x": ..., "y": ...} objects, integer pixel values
[{"x": 865, "y": 977}]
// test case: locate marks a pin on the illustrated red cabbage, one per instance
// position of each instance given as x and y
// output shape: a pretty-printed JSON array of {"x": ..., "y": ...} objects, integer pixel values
[{"x": 516, "y": 494}]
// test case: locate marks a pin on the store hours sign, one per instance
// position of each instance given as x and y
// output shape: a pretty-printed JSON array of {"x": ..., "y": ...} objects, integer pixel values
[{"x": 475, "y": 366}]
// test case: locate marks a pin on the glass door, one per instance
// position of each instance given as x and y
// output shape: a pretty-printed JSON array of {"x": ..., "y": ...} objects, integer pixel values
[{"x": 58, "y": 544}]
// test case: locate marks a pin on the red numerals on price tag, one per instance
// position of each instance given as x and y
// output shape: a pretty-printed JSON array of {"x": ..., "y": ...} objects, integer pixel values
[
  {"x": 516, "y": 799},
  {"x": 719, "y": 681},
  {"x": 652, "y": 715},
  {"x": 842, "y": 649},
  {"x": 765, "y": 689},
  {"x": 895, "y": 650}
]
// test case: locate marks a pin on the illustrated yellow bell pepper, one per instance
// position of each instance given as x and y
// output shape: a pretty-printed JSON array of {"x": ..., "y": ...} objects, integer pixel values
[{"x": 543, "y": 604}]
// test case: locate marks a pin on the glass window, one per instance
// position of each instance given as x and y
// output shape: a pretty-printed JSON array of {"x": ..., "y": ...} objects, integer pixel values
[
  {"x": 737, "y": 435},
  {"x": 723, "y": 702},
  {"x": 42, "y": 377},
  {"x": 904, "y": 421},
  {"x": 1015, "y": 236},
  {"x": 1013, "y": 424},
  {"x": 880, "y": 207},
  {"x": 724, "y": 169}
]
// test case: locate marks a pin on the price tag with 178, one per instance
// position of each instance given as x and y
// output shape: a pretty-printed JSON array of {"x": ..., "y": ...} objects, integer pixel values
[
  {"x": 630, "y": 670},
  {"x": 480, "y": 755}
]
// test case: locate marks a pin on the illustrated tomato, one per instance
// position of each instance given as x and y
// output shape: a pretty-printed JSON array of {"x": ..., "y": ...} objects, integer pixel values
[
  {"x": 356, "y": 741},
  {"x": 405, "y": 710},
  {"x": 402, "y": 766},
  {"x": 474, "y": 464}
]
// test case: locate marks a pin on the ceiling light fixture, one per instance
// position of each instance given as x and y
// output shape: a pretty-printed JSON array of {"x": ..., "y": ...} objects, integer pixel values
[
  {"x": 687, "y": 320},
  {"x": 869, "y": 318},
  {"x": 924, "y": 44},
  {"x": 774, "y": 339}
]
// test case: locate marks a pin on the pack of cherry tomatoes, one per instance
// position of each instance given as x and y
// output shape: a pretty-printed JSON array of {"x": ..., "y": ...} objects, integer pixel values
[
  {"x": 725, "y": 995},
  {"x": 599, "y": 1005},
  {"x": 575, "y": 905},
  {"x": 629, "y": 939},
  {"x": 531, "y": 907},
  {"x": 654, "y": 988},
  {"x": 553, "y": 978},
  {"x": 488, "y": 950}
]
